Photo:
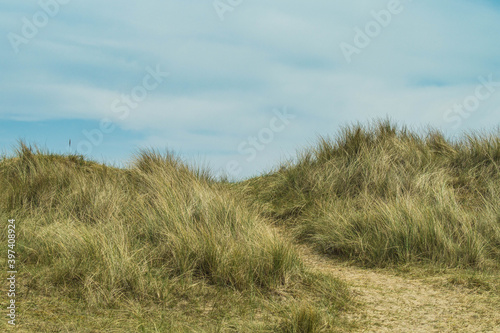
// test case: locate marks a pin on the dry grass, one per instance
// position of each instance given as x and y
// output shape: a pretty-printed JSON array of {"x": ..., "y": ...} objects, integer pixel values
[
  {"x": 412, "y": 223},
  {"x": 382, "y": 195},
  {"x": 154, "y": 247}
]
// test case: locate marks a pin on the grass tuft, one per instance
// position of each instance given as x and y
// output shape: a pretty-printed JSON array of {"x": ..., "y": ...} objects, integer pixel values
[
  {"x": 157, "y": 234},
  {"x": 384, "y": 195}
]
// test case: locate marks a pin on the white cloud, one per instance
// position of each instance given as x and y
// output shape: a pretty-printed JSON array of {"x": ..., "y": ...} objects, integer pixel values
[{"x": 226, "y": 76}]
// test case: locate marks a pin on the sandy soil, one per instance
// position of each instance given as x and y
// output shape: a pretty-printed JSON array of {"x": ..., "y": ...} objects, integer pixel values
[{"x": 391, "y": 303}]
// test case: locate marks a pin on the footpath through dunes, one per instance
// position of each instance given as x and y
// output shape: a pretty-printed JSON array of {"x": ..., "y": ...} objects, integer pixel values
[
  {"x": 387, "y": 196},
  {"x": 385, "y": 301}
]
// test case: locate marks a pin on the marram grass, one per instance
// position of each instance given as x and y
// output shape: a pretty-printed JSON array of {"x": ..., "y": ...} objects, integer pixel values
[
  {"x": 156, "y": 234},
  {"x": 160, "y": 246},
  {"x": 382, "y": 195}
]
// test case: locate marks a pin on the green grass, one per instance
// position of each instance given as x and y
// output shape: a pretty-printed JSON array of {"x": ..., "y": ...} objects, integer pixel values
[
  {"x": 157, "y": 246},
  {"x": 382, "y": 195},
  {"x": 160, "y": 246}
]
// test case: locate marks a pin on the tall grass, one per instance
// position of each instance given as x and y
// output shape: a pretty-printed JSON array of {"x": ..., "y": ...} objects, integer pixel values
[
  {"x": 380, "y": 194},
  {"x": 149, "y": 233}
]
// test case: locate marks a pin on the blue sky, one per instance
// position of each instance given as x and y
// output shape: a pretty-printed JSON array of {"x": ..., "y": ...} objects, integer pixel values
[{"x": 248, "y": 82}]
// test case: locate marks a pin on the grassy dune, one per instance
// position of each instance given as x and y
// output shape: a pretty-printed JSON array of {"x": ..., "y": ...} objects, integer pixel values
[
  {"x": 160, "y": 246},
  {"x": 383, "y": 195},
  {"x": 158, "y": 239}
]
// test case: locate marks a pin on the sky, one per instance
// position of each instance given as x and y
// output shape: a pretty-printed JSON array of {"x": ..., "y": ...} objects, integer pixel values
[{"x": 239, "y": 86}]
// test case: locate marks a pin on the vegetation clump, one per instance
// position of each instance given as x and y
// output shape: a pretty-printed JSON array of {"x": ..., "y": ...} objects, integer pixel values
[
  {"x": 156, "y": 235},
  {"x": 160, "y": 246},
  {"x": 383, "y": 195}
]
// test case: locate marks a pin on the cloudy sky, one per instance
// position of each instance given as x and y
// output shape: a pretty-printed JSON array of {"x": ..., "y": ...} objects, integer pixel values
[{"x": 240, "y": 85}]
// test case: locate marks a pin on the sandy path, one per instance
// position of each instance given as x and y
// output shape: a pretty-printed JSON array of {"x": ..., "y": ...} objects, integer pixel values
[{"x": 390, "y": 303}]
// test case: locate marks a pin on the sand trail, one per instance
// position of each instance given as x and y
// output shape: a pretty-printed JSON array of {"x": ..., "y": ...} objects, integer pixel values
[{"x": 386, "y": 302}]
